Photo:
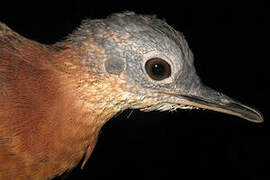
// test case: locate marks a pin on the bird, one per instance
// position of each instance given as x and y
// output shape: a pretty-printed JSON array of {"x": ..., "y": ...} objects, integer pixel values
[{"x": 55, "y": 98}]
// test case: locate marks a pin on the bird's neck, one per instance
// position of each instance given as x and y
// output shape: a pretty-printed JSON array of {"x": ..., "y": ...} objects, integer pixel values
[{"x": 91, "y": 100}]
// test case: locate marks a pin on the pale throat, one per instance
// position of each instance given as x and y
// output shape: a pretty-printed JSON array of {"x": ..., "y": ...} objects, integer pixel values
[{"x": 101, "y": 98}]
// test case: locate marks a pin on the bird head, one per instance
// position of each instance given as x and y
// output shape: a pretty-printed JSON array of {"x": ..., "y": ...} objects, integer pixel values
[
  {"x": 54, "y": 99},
  {"x": 152, "y": 64}
]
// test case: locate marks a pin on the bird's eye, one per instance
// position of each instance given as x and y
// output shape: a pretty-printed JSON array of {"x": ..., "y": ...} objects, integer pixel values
[{"x": 158, "y": 69}]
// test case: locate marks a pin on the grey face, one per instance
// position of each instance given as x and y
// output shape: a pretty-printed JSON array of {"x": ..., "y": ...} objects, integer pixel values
[{"x": 156, "y": 59}]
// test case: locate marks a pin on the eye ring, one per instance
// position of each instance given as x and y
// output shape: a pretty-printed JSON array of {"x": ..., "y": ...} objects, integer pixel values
[{"x": 158, "y": 69}]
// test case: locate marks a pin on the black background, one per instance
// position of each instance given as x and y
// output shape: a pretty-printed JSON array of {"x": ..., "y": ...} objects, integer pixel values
[{"x": 230, "y": 44}]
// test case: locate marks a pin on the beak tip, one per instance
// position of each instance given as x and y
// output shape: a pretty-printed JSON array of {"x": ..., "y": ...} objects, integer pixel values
[
  {"x": 259, "y": 118},
  {"x": 252, "y": 115}
]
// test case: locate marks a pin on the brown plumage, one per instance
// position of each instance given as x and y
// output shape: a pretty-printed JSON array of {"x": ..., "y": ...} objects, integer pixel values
[{"x": 54, "y": 99}]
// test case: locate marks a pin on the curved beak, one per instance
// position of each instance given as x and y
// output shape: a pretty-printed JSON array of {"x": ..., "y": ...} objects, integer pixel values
[{"x": 207, "y": 98}]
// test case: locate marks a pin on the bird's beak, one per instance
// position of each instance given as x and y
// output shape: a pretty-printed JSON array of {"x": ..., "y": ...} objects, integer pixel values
[{"x": 207, "y": 98}]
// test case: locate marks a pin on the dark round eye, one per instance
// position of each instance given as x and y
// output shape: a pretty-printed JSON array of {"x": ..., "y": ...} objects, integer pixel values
[{"x": 158, "y": 69}]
